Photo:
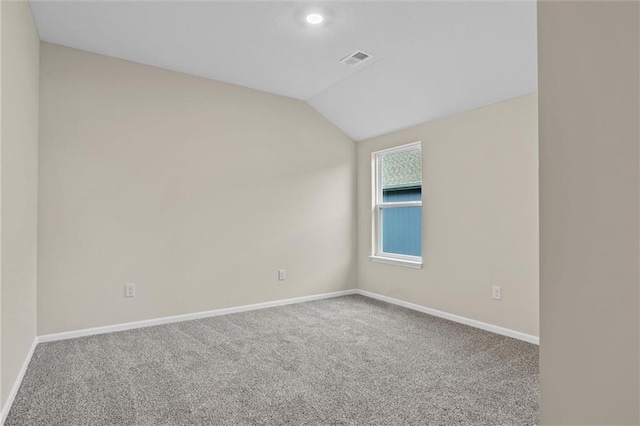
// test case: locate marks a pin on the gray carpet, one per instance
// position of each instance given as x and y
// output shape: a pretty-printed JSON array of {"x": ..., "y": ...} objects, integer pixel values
[{"x": 349, "y": 360}]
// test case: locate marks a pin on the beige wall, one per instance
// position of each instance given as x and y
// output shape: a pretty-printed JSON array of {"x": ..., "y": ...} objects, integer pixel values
[
  {"x": 480, "y": 216},
  {"x": 19, "y": 153},
  {"x": 589, "y": 186},
  {"x": 195, "y": 190},
  {"x": 1, "y": 395},
  {"x": 2, "y": 398}
]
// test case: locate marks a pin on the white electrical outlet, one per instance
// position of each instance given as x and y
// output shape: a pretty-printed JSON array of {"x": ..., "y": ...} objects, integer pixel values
[
  {"x": 130, "y": 290},
  {"x": 496, "y": 292},
  {"x": 282, "y": 275}
]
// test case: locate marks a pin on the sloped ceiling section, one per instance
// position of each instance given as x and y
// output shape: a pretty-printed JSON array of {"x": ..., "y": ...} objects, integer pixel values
[{"x": 431, "y": 59}]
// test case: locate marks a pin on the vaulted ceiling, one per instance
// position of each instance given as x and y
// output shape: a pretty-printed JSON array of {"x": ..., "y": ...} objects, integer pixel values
[{"x": 430, "y": 59}]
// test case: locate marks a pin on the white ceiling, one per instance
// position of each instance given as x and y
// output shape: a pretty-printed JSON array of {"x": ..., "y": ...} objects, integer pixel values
[{"x": 431, "y": 59}]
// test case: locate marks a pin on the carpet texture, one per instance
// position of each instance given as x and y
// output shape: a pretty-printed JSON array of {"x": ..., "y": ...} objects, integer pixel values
[{"x": 348, "y": 360}]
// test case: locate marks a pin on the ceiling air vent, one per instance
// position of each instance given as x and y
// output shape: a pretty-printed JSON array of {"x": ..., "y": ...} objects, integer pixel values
[{"x": 356, "y": 58}]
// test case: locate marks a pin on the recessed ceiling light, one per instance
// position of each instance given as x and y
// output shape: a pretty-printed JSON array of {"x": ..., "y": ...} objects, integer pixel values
[{"x": 314, "y": 18}]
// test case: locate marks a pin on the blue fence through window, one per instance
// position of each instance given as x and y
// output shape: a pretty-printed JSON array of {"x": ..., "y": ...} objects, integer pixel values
[{"x": 402, "y": 226}]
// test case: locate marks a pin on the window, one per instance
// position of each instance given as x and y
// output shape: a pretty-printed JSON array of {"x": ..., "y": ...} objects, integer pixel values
[{"x": 397, "y": 206}]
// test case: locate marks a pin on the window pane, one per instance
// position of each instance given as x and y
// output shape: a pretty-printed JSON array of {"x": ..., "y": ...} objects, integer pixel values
[
  {"x": 402, "y": 176},
  {"x": 402, "y": 230},
  {"x": 401, "y": 194}
]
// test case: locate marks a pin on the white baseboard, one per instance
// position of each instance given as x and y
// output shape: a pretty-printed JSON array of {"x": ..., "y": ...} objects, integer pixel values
[
  {"x": 455, "y": 318},
  {"x": 224, "y": 311},
  {"x": 16, "y": 385},
  {"x": 188, "y": 317}
]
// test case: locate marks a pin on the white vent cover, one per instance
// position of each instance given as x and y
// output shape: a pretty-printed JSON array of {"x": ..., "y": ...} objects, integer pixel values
[{"x": 355, "y": 58}]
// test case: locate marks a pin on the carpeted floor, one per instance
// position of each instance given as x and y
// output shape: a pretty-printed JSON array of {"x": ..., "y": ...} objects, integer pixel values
[{"x": 348, "y": 360}]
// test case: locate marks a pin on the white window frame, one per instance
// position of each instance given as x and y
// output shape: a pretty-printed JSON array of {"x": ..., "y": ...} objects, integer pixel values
[{"x": 377, "y": 254}]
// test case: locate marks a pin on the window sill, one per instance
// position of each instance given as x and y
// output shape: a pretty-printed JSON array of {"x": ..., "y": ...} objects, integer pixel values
[{"x": 415, "y": 264}]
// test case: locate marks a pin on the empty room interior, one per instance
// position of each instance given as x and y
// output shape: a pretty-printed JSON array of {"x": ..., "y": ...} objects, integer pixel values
[{"x": 359, "y": 213}]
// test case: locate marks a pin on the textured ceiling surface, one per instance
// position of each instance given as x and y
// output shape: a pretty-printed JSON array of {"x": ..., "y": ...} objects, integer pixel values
[{"x": 431, "y": 59}]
